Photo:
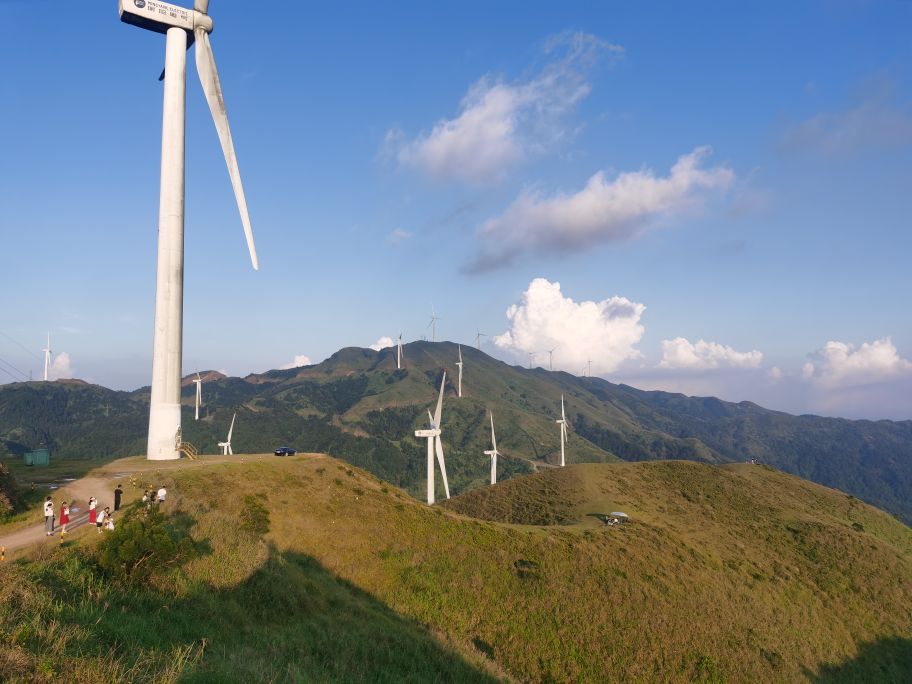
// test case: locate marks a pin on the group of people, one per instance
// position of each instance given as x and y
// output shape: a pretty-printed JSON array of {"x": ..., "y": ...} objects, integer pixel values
[
  {"x": 102, "y": 519},
  {"x": 154, "y": 496}
]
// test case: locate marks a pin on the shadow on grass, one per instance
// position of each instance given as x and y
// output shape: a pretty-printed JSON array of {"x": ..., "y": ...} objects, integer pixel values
[
  {"x": 884, "y": 661},
  {"x": 291, "y": 621}
]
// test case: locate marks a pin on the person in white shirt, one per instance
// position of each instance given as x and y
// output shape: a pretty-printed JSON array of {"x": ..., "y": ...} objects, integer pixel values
[
  {"x": 100, "y": 519},
  {"x": 49, "y": 516},
  {"x": 162, "y": 493}
]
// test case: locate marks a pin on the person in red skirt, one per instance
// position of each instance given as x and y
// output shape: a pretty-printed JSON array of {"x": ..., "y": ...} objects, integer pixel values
[
  {"x": 92, "y": 504},
  {"x": 64, "y": 517}
]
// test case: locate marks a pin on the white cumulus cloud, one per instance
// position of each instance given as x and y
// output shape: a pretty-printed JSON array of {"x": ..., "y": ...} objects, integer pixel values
[
  {"x": 702, "y": 355},
  {"x": 603, "y": 211},
  {"x": 840, "y": 363},
  {"x": 382, "y": 343},
  {"x": 299, "y": 360},
  {"x": 61, "y": 368},
  {"x": 604, "y": 332},
  {"x": 500, "y": 123}
]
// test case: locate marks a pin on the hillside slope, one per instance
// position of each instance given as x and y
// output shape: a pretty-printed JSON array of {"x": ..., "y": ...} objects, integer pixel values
[
  {"x": 732, "y": 573},
  {"x": 356, "y": 405}
]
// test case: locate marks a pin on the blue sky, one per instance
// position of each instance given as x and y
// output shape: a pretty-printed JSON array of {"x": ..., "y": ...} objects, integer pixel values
[{"x": 721, "y": 191}]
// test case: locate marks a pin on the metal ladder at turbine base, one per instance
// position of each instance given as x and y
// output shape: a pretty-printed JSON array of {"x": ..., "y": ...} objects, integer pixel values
[{"x": 188, "y": 450}]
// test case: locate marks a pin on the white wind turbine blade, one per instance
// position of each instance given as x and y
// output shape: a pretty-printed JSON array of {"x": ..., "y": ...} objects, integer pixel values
[
  {"x": 201, "y": 6},
  {"x": 446, "y": 484},
  {"x": 231, "y": 429},
  {"x": 493, "y": 438},
  {"x": 208, "y": 74},
  {"x": 563, "y": 415},
  {"x": 438, "y": 413},
  {"x": 431, "y": 419}
]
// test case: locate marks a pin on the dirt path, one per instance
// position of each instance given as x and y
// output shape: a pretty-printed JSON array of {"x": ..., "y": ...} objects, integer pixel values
[{"x": 100, "y": 483}]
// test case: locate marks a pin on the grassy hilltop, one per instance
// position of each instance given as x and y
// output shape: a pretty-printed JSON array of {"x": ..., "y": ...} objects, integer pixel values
[
  {"x": 357, "y": 406},
  {"x": 306, "y": 569}
]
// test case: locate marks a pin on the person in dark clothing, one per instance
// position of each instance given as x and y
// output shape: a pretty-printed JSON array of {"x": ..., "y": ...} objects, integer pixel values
[{"x": 117, "y": 494}]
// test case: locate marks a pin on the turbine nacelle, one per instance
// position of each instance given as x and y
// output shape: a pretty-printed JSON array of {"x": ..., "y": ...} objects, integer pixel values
[{"x": 156, "y": 16}]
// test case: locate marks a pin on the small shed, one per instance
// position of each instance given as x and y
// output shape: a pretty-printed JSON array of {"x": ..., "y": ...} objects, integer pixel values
[{"x": 38, "y": 457}]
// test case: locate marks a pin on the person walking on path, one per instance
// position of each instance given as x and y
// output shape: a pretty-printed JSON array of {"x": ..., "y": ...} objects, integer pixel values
[
  {"x": 64, "y": 517},
  {"x": 118, "y": 493},
  {"x": 49, "y": 516},
  {"x": 93, "y": 503},
  {"x": 162, "y": 493}
]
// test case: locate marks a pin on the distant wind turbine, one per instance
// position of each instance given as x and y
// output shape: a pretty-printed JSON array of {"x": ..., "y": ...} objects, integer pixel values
[
  {"x": 181, "y": 27},
  {"x": 399, "y": 352},
  {"x": 199, "y": 395},
  {"x": 551, "y": 358},
  {"x": 493, "y": 453},
  {"x": 460, "y": 364},
  {"x": 478, "y": 338},
  {"x": 563, "y": 430},
  {"x": 226, "y": 445},
  {"x": 433, "y": 325},
  {"x": 47, "y": 358},
  {"x": 433, "y": 437},
  {"x": 531, "y": 358}
]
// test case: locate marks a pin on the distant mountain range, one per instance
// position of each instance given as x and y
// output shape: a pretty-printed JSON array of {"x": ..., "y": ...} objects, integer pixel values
[{"x": 357, "y": 406}]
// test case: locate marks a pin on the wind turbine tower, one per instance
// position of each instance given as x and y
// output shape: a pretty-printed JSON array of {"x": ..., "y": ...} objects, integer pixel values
[
  {"x": 433, "y": 325},
  {"x": 432, "y": 434},
  {"x": 493, "y": 453},
  {"x": 226, "y": 445},
  {"x": 199, "y": 395},
  {"x": 551, "y": 358},
  {"x": 563, "y": 430},
  {"x": 47, "y": 358},
  {"x": 460, "y": 364},
  {"x": 181, "y": 27},
  {"x": 399, "y": 352},
  {"x": 478, "y": 338}
]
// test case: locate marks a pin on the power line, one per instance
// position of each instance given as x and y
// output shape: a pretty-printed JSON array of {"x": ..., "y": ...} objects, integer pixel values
[
  {"x": 3, "y": 361},
  {"x": 17, "y": 342}
]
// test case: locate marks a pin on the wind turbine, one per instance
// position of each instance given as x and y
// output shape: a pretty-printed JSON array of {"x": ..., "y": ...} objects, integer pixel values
[
  {"x": 182, "y": 27},
  {"x": 226, "y": 445},
  {"x": 551, "y": 358},
  {"x": 531, "y": 358},
  {"x": 563, "y": 430},
  {"x": 199, "y": 394},
  {"x": 493, "y": 453},
  {"x": 433, "y": 437},
  {"x": 433, "y": 325},
  {"x": 399, "y": 352},
  {"x": 47, "y": 358},
  {"x": 478, "y": 338},
  {"x": 460, "y": 364}
]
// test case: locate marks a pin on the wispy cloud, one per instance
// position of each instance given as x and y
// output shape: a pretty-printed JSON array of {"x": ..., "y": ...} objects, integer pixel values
[
  {"x": 394, "y": 237},
  {"x": 876, "y": 121},
  {"x": 501, "y": 123},
  {"x": 605, "y": 333},
  {"x": 603, "y": 211},
  {"x": 61, "y": 368}
]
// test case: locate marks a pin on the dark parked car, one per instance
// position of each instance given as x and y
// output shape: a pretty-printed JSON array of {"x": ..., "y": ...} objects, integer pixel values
[{"x": 284, "y": 451}]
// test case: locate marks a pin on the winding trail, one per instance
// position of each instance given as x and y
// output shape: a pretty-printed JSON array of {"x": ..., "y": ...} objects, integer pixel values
[{"x": 100, "y": 483}]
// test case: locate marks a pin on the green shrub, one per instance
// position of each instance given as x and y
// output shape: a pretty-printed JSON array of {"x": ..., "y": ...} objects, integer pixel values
[{"x": 144, "y": 543}]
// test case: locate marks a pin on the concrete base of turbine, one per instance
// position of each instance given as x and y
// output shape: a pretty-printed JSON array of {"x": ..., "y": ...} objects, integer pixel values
[{"x": 164, "y": 425}]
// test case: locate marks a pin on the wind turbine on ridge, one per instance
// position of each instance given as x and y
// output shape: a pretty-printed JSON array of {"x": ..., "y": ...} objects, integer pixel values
[
  {"x": 47, "y": 358},
  {"x": 399, "y": 352},
  {"x": 551, "y": 358},
  {"x": 478, "y": 338},
  {"x": 181, "y": 27},
  {"x": 433, "y": 324},
  {"x": 563, "y": 430},
  {"x": 199, "y": 395},
  {"x": 493, "y": 452},
  {"x": 432, "y": 434},
  {"x": 226, "y": 445},
  {"x": 460, "y": 364}
]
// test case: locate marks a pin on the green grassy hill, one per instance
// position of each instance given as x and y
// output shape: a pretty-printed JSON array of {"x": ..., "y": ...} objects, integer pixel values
[
  {"x": 306, "y": 569},
  {"x": 356, "y": 405}
]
